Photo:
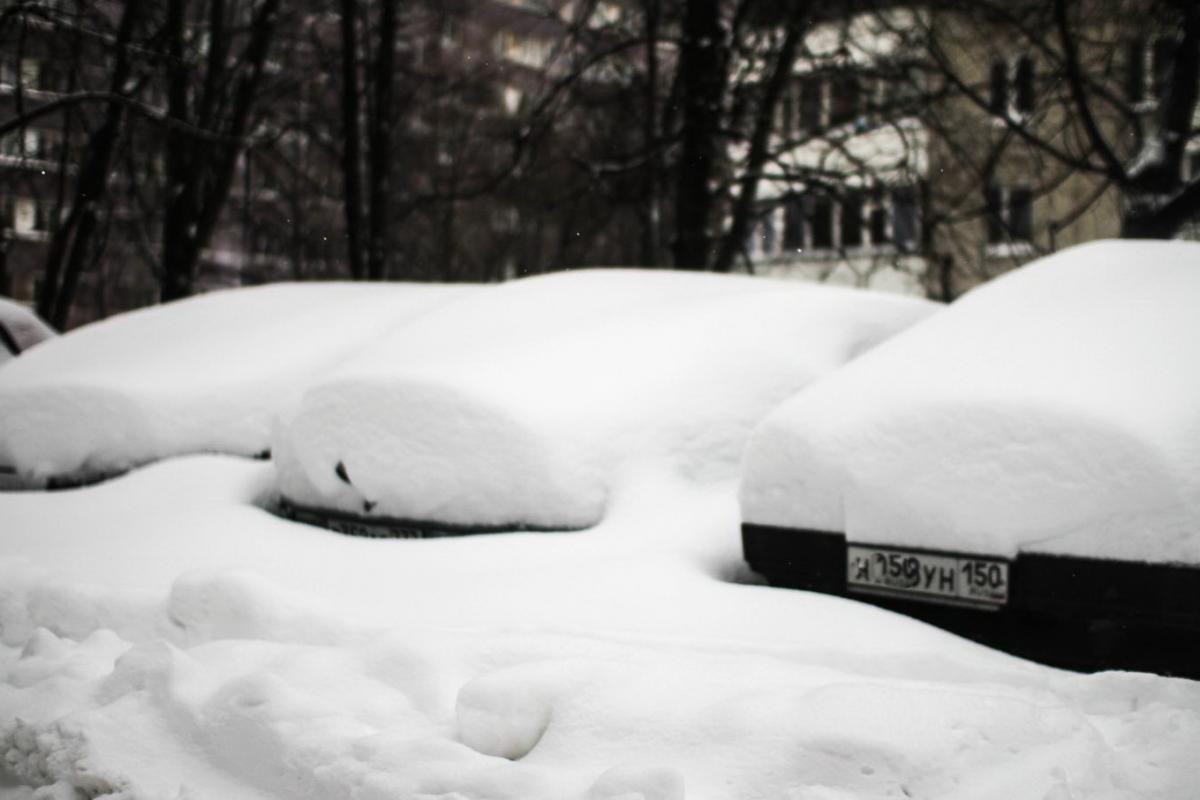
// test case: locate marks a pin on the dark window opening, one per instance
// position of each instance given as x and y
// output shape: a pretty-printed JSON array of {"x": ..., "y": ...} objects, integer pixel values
[
  {"x": 1020, "y": 221},
  {"x": 995, "y": 219},
  {"x": 793, "y": 226},
  {"x": 1163, "y": 55},
  {"x": 846, "y": 93},
  {"x": 852, "y": 227},
  {"x": 1135, "y": 86},
  {"x": 810, "y": 104},
  {"x": 767, "y": 226},
  {"x": 1025, "y": 84},
  {"x": 879, "y": 225},
  {"x": 999, "y": 82},
  {"x": 1009, "y": 214},
  {"x": 821, "y": 220},
  {"x": 905, "y": 219},
  {"x": 785, "y": 112}
]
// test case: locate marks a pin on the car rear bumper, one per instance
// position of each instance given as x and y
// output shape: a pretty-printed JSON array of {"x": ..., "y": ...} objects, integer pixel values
[{"x": 1081, "y": 613}]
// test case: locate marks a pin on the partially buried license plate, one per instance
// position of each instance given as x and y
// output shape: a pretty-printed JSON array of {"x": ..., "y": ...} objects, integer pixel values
[{"x": 925, "y": 576}]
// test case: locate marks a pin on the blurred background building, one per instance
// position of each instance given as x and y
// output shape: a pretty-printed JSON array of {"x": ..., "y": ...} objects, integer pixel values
[{"x": 149, "y": 150}]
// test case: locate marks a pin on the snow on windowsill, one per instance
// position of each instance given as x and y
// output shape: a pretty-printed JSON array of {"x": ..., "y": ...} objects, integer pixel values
[{"x": 1009, "y": 249}]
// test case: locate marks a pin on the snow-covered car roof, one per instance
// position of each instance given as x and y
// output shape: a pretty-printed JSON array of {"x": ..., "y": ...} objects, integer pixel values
[
  {"x": 206, "y": 374},
  {"x": 20, "y": 329},
  {"x": 1055, "y": 410},
  {"x": 516, "y": 407}
]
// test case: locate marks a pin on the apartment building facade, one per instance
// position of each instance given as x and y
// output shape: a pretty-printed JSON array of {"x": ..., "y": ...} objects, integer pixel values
[{"x": 932, "y": 148}]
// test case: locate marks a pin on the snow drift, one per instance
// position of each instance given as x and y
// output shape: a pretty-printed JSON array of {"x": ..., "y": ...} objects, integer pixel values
[
  {"x": 1056, "y": 409},
  {"x": 162, "y": 637},
  {"x": 514, "y": 407},
  {"x": 203, "y": 374}
]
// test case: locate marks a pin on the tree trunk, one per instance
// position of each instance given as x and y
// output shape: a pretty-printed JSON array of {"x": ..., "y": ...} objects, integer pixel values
[
  {"x": 381, "y": 143},
  {"x": 702, "y": 86},
  {"x": 760, "y": 140},
  {"x": 351, "y": 156},
  {"x": 199, "y": 181},
  {"x": 650, "y": 198},
  {"x": 67, "y": 254}
]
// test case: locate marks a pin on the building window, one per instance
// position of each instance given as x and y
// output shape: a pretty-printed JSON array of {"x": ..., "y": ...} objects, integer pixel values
[
  {"x": 1009, "y": 214},
  {"x": 53, "y": 78},
  {"x": 877, "y": 219},
  {"x": 905, "y": 219},
  {"x": 41, "y": 219},
  {"x": 823, "y": 225},
  {"x": 24, "y": 215},
  {"x": 451, "y": 33},
  {"x": 845, "y": 99},
  {"x": 1148, "y": 69},
  {"x": 522, "y": 49},
  {"x": 810, "y": 103},
  {"x": 1012, "y": 87},
  {"x": 820, "y": 220},
  {"x": 793, "y": 227},
  {"x": 1193, "y": 165},
  {"x": 852, "y": 219},
  {"x": 512, "y": 98},
  {"x": 30, "y": 70}
]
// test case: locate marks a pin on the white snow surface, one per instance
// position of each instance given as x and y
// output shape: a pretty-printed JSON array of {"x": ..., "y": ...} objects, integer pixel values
[
  {"x": 25, "y": 327},
  {"x": 517, "y": 406},
  {"x": 203, "y": 374},
  {"x": 1056, "y": 409},
  {"x": 161, "y": 636}
]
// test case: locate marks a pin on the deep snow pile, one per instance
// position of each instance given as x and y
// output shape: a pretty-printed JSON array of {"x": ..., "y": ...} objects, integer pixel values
[
  {"x": 163, "y": 637},
  {"x": 23, "y": 327},
  {"x": 1056, "y": 409},
  {"x": 203, "y": 374},
  {"x": 517, "y": 406}
]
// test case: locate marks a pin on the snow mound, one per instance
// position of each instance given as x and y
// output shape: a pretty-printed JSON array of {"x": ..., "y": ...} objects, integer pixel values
[
  {"x": 22, "y": 329},
  {"x": 1054, "y": 410},
  {"x": 203, "y": 374},
  {"x": 208, "y": 649},
  {"x": 514, "y": 408}
]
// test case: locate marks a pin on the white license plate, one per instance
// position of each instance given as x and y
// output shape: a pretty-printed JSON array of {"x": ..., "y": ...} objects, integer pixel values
[{"x": 925, "y": 576}]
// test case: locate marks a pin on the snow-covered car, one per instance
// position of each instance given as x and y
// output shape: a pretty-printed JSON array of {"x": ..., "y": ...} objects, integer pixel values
[
  {"x": 206, "y": 374},
  {"x": 1033, "y": 451},
  {"x": 518, "y": 407},
  {"x": 20, "y": 329}
]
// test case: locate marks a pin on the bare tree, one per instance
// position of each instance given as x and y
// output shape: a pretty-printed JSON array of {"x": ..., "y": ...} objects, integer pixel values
[
  {"x": 220, "y": 100},
  {"x": 1114, "y": 102}
]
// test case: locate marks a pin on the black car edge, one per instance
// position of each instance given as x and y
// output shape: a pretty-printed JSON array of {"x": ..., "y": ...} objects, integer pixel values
[{"x": 1078, "y": 613}]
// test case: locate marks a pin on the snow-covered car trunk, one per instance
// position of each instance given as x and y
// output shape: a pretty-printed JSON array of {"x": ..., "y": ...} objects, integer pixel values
[
  {"x": 515, "y": 408},
  {"x": 205, "y": 374},
  {"x": 1035, "y": 447}
]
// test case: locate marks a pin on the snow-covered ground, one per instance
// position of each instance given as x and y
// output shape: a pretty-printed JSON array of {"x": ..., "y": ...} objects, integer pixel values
[
  {"x": 517, "y": 405},
  {"x": 1056, "y": 409},
  {"x": 164, "y": 637},
  {"x": 205, "y": 374}
]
